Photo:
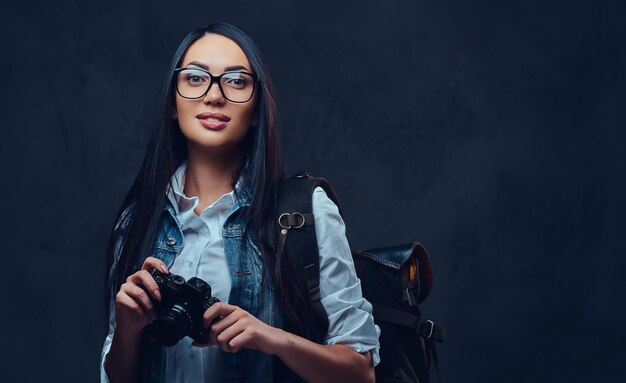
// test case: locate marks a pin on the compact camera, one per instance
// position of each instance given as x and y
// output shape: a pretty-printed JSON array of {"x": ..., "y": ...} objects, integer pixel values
[{"x": 179, "y": 313}]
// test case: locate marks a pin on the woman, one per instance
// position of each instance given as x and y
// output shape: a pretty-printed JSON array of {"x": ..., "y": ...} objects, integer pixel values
[{"x": 203, "y": 205}]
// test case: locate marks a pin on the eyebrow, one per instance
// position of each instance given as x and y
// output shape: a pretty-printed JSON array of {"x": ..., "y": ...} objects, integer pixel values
[{"x": 227, "y": 69}]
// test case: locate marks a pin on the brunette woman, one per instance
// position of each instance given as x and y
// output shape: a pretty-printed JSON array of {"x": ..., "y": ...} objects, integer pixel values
[{"x": 204, "y": 205}]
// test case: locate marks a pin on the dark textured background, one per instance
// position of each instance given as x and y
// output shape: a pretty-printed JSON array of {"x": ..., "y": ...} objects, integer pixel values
[{"x": 491, "y": 131}]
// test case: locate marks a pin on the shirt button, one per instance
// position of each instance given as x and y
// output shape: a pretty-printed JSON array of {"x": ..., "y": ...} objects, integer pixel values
[{"x": 171, "y": 241}]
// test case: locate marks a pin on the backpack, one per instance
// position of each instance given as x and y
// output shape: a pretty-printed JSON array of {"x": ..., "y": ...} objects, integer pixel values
[{"x": 394, "y": 279}]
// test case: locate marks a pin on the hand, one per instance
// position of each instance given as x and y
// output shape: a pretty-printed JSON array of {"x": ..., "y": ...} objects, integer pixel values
[
  {"x": 237, "y": 329},
  {"x": 133, "y": 307}
]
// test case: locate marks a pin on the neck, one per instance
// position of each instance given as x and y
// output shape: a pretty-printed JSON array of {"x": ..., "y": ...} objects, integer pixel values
[{"x": 210, "y": 174}]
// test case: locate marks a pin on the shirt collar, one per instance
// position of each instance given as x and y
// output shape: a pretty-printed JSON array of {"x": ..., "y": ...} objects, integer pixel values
[{"x": 183, "y": 203}]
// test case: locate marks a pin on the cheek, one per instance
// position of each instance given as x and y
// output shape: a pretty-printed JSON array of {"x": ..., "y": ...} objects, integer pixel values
[
  {"x": 251, "y": 115},
  {"x": 180, "y": 108},
  {"x": 184, "y": 115}
]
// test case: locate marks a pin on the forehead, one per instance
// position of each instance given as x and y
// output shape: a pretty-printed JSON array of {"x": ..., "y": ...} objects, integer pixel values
[{"x": 217, "y": 52}]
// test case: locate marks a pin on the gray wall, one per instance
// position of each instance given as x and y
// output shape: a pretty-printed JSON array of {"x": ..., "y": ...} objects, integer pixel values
[{"x": 490, "y": 131}]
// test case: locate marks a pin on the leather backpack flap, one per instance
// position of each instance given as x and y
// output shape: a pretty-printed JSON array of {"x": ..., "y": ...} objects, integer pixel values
[{"x": 404, "y": 269}]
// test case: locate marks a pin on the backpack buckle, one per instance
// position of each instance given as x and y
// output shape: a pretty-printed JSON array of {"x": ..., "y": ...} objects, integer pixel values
[
  {"x": 430, "y": 332},
  {"x": 409, "y": 296}
]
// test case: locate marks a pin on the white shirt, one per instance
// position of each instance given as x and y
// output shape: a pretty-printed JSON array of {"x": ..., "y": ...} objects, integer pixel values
[{"x": 202, "y": 256}]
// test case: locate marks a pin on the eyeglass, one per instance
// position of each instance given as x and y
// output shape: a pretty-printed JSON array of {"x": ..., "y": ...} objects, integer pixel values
[{"x": 194, "y": 83}]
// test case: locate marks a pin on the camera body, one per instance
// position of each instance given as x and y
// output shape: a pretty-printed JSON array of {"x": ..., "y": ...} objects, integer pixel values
[{"x": 180, "y": 311}]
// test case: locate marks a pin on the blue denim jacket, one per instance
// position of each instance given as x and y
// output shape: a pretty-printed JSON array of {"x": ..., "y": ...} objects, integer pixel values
[{"x": 249, "y": 291}]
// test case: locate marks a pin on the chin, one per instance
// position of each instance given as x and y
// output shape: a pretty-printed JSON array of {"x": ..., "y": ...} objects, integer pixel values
[{"x": 215, "y": 144}]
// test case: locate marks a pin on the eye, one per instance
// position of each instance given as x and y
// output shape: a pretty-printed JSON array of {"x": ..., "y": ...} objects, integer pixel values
[
  {"x": 236, "y": 80},
  {"x": 194, "y": 77}
]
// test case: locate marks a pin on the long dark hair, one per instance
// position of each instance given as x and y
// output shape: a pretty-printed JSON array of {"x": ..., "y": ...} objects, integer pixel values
[{"x": 260, "y": 173}]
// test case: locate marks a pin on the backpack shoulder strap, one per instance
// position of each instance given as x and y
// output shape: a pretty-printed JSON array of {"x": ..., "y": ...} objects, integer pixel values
[
  {"x": 300, "y": 188},
  {"x": 296, "y": 222}
]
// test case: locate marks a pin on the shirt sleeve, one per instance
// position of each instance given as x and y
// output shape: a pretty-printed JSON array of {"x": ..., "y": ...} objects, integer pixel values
[
  {"x": 107, "y": 342},
  {"x": 109, "y": 339},
  {"x": 350, "y": 319}
]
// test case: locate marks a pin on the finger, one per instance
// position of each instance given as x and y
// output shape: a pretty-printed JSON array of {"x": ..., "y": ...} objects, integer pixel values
[
  {"x": 234, "y": 349},
  {"x": 225, "y": 347},
  {"x": 143, "y": 279},
  {"x": 225, "y": 337},
  {"x": 125, "y": 302},
  {"x": 240, "y": 341},
  {"x": 130, "y": 315},
  {"x": 139, "y": 295},
  {"x": 213, "y": 338},
  {"x": 152, "y": 263},
  {"x": 221, "y": 339},
  {"x": 218, "y": 326},
  {"x": 220, "y": 309}
]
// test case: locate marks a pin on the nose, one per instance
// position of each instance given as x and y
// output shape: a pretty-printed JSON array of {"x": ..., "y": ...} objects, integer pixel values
[{"x": 214, "y": 95}]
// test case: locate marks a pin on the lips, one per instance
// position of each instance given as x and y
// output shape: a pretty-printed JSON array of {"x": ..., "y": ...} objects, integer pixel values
[{"x": 213, "y": 121}]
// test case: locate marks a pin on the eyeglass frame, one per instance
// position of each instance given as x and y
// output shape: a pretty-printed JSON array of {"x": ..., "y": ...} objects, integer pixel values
[{"x": 213, "y": 80}]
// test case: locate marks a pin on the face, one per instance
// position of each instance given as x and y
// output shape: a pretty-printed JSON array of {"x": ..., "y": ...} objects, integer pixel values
[{"x": 213, "y": 123}]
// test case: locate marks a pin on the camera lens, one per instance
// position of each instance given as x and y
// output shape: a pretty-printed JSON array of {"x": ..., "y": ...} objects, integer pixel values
[{"x": 172, "y": 325}]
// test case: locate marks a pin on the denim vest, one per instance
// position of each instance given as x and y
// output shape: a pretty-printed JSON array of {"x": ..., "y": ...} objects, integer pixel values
[{"x": 249, "y": 291}]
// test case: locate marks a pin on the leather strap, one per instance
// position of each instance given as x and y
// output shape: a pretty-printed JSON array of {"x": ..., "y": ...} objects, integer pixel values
[
  {"x": 296, "y": 220},
  {"x": 424, "y": 328},
  {"x": 435, "y": 358}
]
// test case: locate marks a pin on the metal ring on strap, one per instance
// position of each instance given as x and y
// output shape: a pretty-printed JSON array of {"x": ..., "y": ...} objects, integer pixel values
[
  {"x": 287, "y": 215},
  {"x": 280, "y": 219},
  {"x": 432, "y": 327}
]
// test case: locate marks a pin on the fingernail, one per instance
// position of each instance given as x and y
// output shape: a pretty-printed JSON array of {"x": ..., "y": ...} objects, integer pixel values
[
  {"x": 157, "y": 294},
  {"x": 163, "y": 269}
]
